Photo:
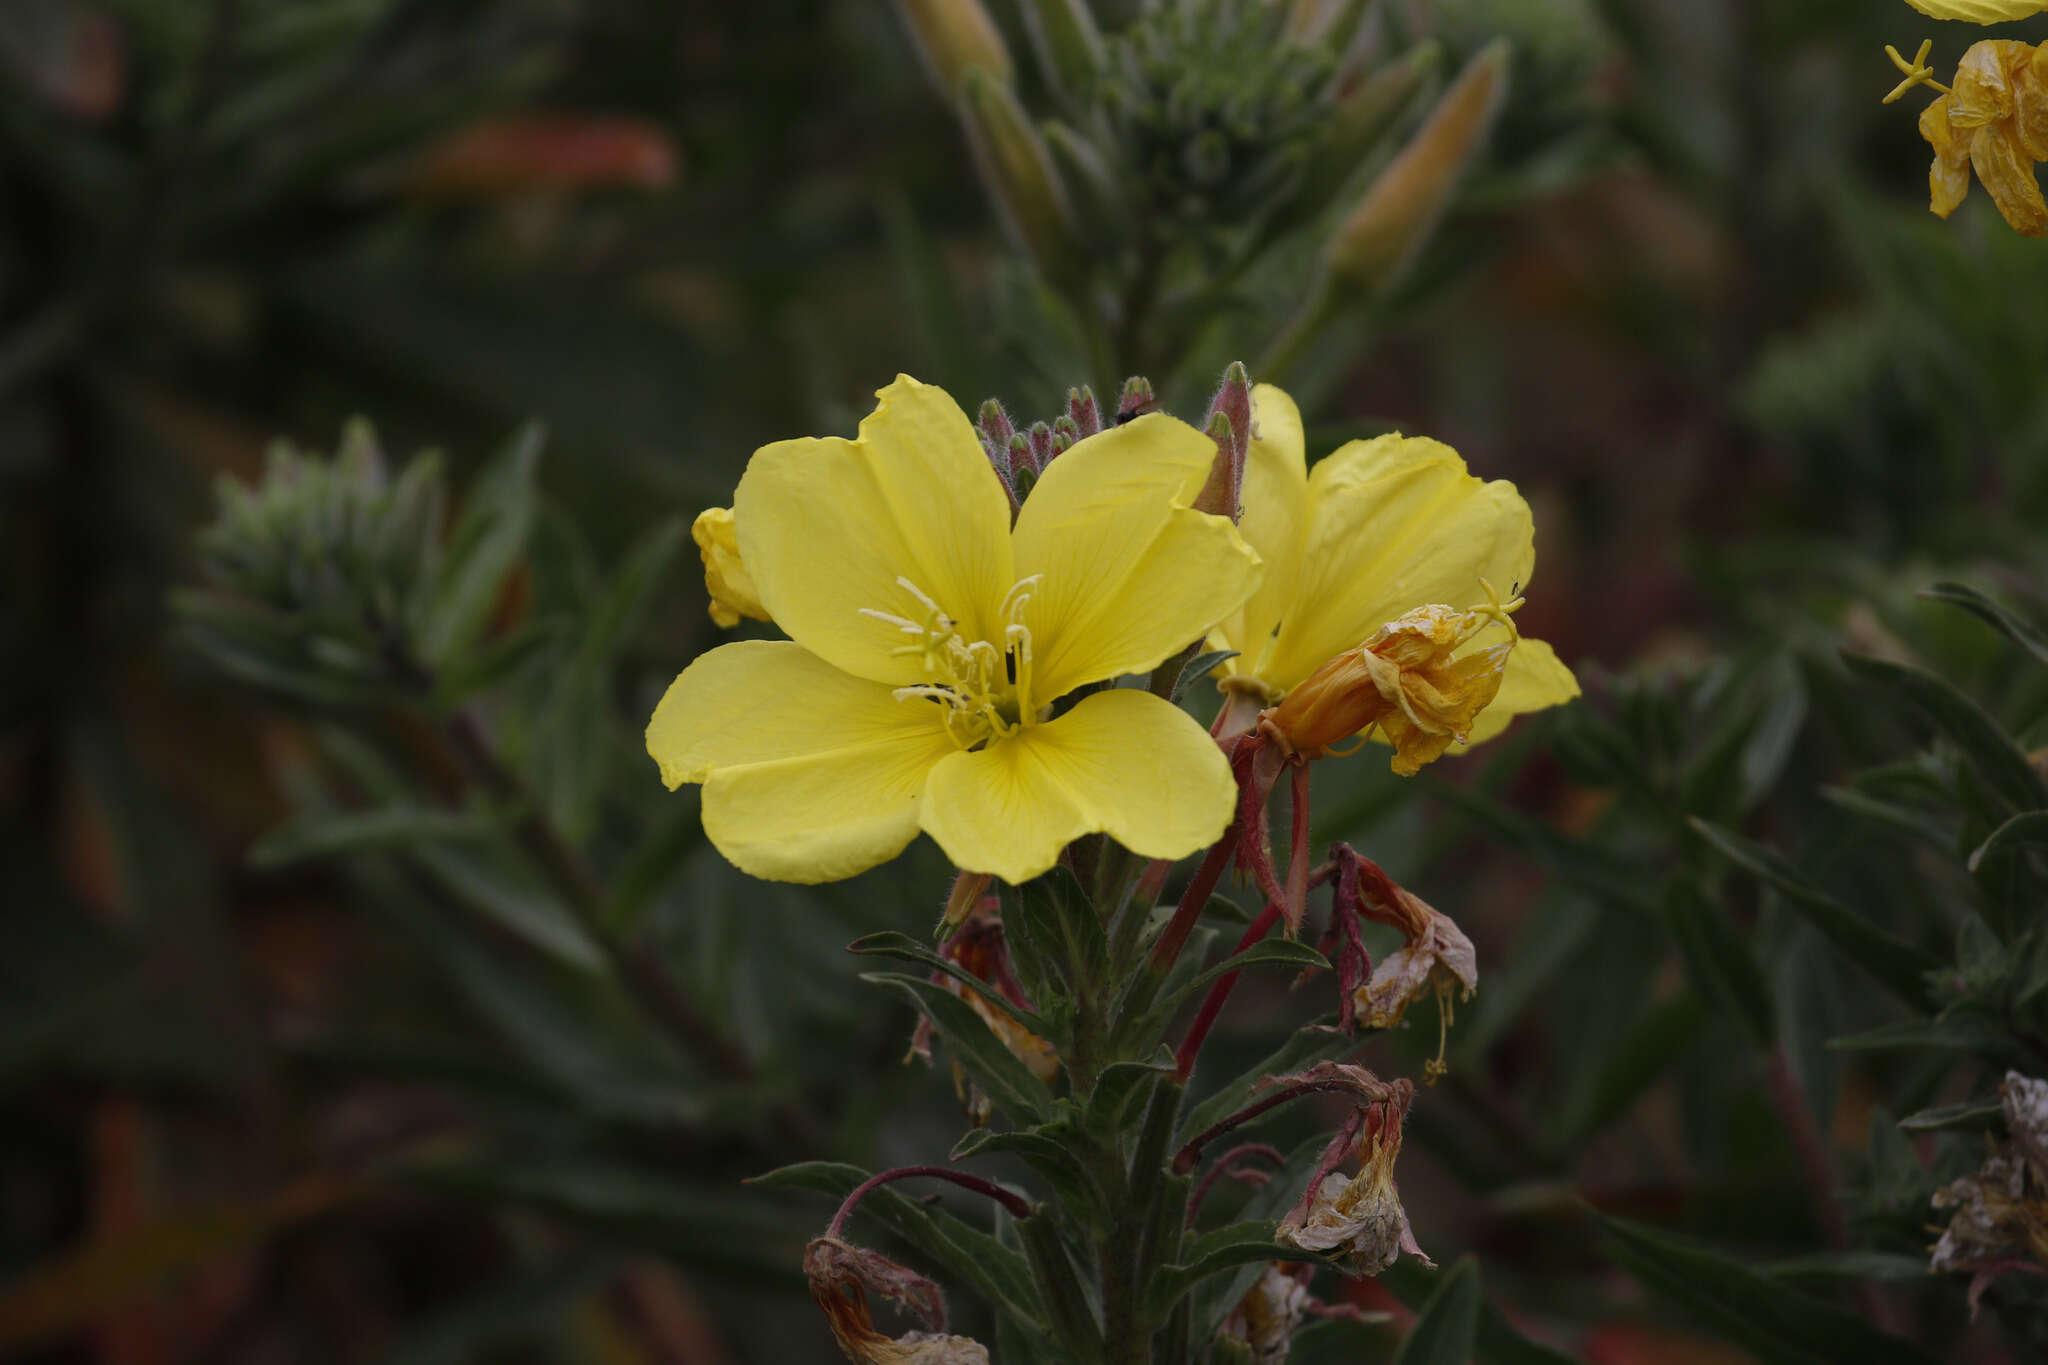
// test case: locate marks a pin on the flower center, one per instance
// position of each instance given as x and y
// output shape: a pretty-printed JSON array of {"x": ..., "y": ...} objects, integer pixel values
[{"x": 984, "y": 687}]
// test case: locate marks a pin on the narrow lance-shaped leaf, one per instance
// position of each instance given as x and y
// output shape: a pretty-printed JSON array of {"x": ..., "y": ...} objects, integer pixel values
[
  {"x": 1984, "y": 745},
  {"x": 1448, "y": 1326},
  {"x": 1897, "y": 964}
]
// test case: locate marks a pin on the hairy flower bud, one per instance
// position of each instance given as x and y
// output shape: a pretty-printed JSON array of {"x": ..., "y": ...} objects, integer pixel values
[
  {"x": 725, "y": 574},
  {"x": 1082, "y": 408},
  {"x": 1230, "y": 426},
  {"x": 955, "y": 37},
  {"x": 1136, "y": 400}
]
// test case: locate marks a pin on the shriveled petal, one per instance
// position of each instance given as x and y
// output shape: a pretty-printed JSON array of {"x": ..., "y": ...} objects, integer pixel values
[
  {"x": 2030, "y": 95},
  {"x": 1948, "y": 181},
  {"x": 2008, "y": 176},
  {"x": 1122, "y": 762},
  {"x": 1131, "y": 572},
  {"x": 1535, "y": 679},
  {"x": 827, "y": 527},
  {"x": 1979, "y": 11},
  {"x": 1274, "y": 523},
  {"x": 1982, "y": 92},
  {"x": 1396, "y": 523},
  {"x": 809, "y": 774}
]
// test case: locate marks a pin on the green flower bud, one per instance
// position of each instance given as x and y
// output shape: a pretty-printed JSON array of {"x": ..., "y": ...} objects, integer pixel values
[
  {"x": 1380, "y": 237},
  {"x": 955, "y": 37},
  {"x": 1069, "y": 46},
  {"x": 1018, "y": 173}
]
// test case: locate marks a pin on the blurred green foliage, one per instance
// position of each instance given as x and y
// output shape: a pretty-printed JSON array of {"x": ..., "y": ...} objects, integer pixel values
[{"x": 427, "y": 1028}]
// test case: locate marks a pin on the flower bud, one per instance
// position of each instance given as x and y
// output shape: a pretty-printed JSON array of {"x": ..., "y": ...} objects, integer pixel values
[
  {"x": 1407, "y": 680},
  {"x": 1136, "y": 400},
  {"x": 955, "y": 37},
  {"x": 993, "y": 425},
  {"x": 1069, "y": 46},
  {"x": 725, "y": 574},
  {"x": 1230, "y": 426},
  {"x": 1361, "y": 120},
  {"x": 1018, "y": 173},
  {"x": 1379, "y": 238},
  {"x": 1064, "y": 433},
  {"x": 1081, "y": 407}
]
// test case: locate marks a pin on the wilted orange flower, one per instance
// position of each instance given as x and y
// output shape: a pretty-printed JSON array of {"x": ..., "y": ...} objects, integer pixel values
[{"x": 1408, "y": 680}]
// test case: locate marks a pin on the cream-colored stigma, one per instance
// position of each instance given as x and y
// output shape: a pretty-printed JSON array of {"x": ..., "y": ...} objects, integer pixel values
[{"x": 985, "y": 689}]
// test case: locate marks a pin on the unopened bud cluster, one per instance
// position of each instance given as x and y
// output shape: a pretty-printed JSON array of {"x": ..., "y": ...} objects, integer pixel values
[{"x": 320, "y": 572}]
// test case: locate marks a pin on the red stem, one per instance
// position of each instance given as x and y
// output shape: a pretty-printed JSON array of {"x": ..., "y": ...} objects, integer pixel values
[
  {"x": 1212, "y": 1004},
  {"x": 1297, "y": 853},
  {"x": 1193, "y": 900},
  {"x": 1017, "y": 1207},
  {"x": 1222, "y": 1167}
]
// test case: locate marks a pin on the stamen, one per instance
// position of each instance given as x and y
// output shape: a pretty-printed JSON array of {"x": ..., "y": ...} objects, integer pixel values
[{"x": 922, "y": 596}]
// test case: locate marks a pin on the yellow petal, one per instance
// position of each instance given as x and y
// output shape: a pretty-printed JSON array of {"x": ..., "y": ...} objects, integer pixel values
[
  {"x": 1122, "y": 761},
  {"x": 1979, "y": 11},
  {"x": 809, "y": 774},
  {"x": 1274, "y": 523},
  {"x": 828, "y": 527},
  {"x": 725, "y": 574},
  {"x": 1535, "y": 679},
  {"x": 1395, "y": 523},
  {"x": 1131, "y": 572},
  {"x": 2008, "y": 176}
]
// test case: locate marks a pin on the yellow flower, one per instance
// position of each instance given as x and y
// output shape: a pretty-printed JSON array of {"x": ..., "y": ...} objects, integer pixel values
[
  {"x": 725, "y": 574},
  {"x": 1979, "y": 11},
  {"x": 1370, "y": 553},
  {"x": 930, "y": 640},
  {"x": 1995, "y": 120}
]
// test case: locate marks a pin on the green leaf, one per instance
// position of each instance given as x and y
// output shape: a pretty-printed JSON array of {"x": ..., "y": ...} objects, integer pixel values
[
  {"x": 2002, "y": 620},
  {"x": 1652, "y": 1046},
  {"x": 1500, "y": 1341},
  {"x": 976, "y": 1259},
  {"x": 1267, "y": 952},
  {"x": 1897, "y": 964},
  {"x": 1307, "y": 1047},
  {"x": 890, "y": 943},
  {"x": 1719, "y": 959},
  {"x": 1197, "y": 669},
  {"x": 994, "y": 1067},
  {"x": 329, "y": 834},
  {"x": 1057, "y": 919},
  {"x": 574, "y": 731},
  {"x": 670, "y": 839},
  {"x": 2022, "y": 831},
  {"x": 1050, "y": 1151},
  {"x": 488, "y": 538},
  {"x": 1447, "y": 1328},
  {"x": 1236, "y": 1244},
  {"x": 1780, "y": 1325},
  {"x": 1984, "y": 744},
  {"x": 1973, "y": 1116},
  {"x": 1831, "y": 1267},
  {"x": 1119, "y": 1084},
  {"x": 1951, "y": 1032}
]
